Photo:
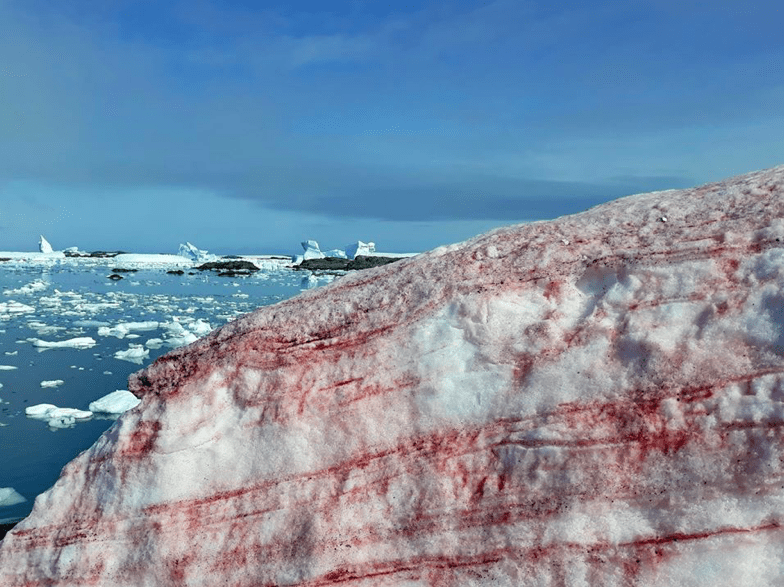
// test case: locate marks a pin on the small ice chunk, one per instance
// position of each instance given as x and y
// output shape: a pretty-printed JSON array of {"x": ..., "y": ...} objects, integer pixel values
[
  {"x": 123, "y": 329},
  {"x": 7, "y": 367},
  {"x": 10, "y": 496},
  {"x": 200, "y": 327},
  {"x": 154, "y": 343},
  {"x": 11, "y": 307},
  {"x": 116, "y": 402},
  {"x": 135, "y": 353},
  {"x": 30, "y": 288},
  {"x": 52, "y": 383},
  {"x": 82, "y": 342}
]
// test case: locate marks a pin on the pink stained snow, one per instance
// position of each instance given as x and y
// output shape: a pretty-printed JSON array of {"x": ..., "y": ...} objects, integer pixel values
[{"x": 596, "y": 400}]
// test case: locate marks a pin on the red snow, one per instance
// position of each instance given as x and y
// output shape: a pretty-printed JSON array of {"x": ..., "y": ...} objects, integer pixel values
[{"x": 595, "y": 400}]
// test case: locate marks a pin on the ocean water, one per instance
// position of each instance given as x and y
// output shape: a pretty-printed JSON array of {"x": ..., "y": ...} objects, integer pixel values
[{"x": 77, "y": 300}]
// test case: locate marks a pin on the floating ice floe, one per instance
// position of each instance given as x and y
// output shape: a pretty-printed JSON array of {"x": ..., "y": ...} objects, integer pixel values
[
  {"x": 13, "y": 308},
  {"x": 81, "y": 342},
  {"x": 7, "y": 367},
  {"x": 10, "y": 496},
  {"x": 57, "y": 417},
  {"x": 123, "y": 329},
  {"x": 135, "y": 353},
  {"x": 52, "y": 383},
  {"x": 30, "y": 288},
  {"x": 116, "y": 402}
]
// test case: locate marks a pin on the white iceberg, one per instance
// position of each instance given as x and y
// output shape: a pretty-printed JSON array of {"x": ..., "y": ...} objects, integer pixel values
[
  {"x": 359, "y": 248},
  {"x": 44, "y": 246},
  {"x": 116, "y": 402},
  {"x": 10, "y": 496},
  {"x": 189, "y": 251},
  {"x": 312, "y": 250}
]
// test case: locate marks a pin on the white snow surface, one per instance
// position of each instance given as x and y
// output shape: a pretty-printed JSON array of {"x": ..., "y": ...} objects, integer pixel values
[
  {"x": 595, "y": 400},
  {"x": 117, "y": 402}
]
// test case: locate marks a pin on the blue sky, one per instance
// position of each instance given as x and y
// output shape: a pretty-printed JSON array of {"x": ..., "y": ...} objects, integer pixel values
[{"x": 248, "y": 126}]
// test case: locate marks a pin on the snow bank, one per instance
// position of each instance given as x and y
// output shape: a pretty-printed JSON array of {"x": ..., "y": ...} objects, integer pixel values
[{"x": 596, "y": 400}]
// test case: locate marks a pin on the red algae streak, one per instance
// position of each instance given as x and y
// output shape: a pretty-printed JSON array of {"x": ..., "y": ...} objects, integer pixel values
[{"x": 592, "y": 401}]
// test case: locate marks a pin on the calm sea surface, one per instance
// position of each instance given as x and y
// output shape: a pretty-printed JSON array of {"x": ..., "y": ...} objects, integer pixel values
[{"x": 69, "y": 301}]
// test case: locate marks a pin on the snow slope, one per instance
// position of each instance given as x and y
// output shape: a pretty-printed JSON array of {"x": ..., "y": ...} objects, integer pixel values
[{"x": 595, "y": 400}]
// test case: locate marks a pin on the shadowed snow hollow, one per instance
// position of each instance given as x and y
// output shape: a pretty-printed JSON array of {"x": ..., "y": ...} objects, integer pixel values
[{"x": 595, "y": 400}]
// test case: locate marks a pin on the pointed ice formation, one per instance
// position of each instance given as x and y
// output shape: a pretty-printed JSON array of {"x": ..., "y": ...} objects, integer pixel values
[
  {"x": 44, "y": 246},
  {"x": 190, "y": 251},
  {"x": 594, "y": 401}
]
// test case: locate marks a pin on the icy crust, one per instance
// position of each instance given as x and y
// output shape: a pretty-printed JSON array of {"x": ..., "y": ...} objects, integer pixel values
[{"x": 596, "y": 400}]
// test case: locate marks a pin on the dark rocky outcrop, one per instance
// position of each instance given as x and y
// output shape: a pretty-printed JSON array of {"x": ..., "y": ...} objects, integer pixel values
[
  {"x": 4, "y": 259},
  {"x": 228, "y": 266},
  {"x": 123, "y": 270},
  {"x": 97, "y": 254},
  {"x": 176, "y": 272},
  {"x": 115, "y": 277},
  {"x": 339, "y": 264}
]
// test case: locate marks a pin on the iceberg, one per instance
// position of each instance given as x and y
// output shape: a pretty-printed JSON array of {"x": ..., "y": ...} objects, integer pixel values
[
  {"x": 44, "y": 246},
  {"x": 593, "y": 400},
  {"x": 117, "y": 402},
  {"x": 189, "y": 251},
  {"x": 360, "y": 248},
  {"x": 10, "y": 496}
]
